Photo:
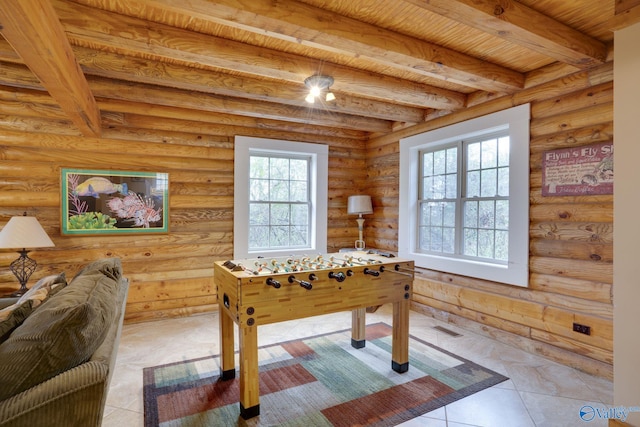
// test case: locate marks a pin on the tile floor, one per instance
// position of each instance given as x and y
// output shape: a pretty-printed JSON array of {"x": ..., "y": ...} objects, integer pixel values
[{"x": 539, "y": 392}]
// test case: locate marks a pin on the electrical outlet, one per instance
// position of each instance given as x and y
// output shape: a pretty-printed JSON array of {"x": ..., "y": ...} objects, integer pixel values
[{"x": 583, "y": 329}]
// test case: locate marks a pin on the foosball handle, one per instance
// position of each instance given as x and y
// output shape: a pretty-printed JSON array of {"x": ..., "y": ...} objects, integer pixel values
[
  {"x": 371, "y": 272},
  {"x": 338, "y": 276},
  {"x": 303, "y": 283},
  {"x": 272, "y": 282},
  {"x": 306, "y": 285}
]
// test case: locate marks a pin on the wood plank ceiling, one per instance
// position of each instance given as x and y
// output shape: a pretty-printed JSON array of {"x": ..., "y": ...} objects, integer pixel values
[{"x": 244, "y": 62}]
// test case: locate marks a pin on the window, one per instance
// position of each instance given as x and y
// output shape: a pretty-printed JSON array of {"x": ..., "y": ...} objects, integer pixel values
[
  {"x": 463, "y": 207},
  {"x": 279, "y": 203},
  {"x": 465, "y": 197},
  {"x": 280, "y": 197}
]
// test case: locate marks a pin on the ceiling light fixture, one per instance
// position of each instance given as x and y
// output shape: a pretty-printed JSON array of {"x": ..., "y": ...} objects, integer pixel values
[{"x": 317, "y": 84}]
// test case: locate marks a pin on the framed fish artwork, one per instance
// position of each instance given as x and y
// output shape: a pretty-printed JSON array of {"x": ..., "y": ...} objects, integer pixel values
[{"x": 114, "y": 202}]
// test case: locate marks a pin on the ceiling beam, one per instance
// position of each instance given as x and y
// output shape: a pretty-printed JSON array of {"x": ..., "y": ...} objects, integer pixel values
[
  {"x": 141, "y": 93},
  {"x": 32, "y": 28},
  {"x": 300, "y": 23},
  {"x": 38, "y": 104},
  {"x": 120, "y": 67},
  {"x": 627, "y": 12},
  {"x": 102, "y": 30},
  {"x": 160, "y": 117},
  {"x": 622, "y": 6},
  {"x": 17, "y": 75},
  {"x": 524, "y": 26}
]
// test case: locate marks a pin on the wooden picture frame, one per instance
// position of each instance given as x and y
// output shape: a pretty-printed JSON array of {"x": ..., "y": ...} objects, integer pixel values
[{"x": 113, "y": 202}]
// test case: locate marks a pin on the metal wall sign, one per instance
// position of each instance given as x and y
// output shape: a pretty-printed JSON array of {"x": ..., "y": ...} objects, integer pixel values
[{"x": 578, "y": 170}]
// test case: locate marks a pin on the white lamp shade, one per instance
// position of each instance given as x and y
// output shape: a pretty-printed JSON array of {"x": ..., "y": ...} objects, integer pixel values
[
  {"x": 359, "y": 205},
  {"x": 22, "y": 232}
]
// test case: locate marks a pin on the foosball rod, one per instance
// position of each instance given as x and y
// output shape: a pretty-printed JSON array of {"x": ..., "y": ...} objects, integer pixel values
[
  {"x": 399, "y": 272},
  {"x": 384, "y": 270},
  {"x": 248, "y": 270},
  {"x": 350, "y": 260},
  {"x": 331, "y": 260},
  {"x": 261, "y": 266},
  {"x": 411, "y": 270}
]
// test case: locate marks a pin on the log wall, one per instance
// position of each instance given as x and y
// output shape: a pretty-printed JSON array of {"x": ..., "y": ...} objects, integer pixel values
[
  {"x": 571, "y": 247},
  {"x": 171, "y": 274}
]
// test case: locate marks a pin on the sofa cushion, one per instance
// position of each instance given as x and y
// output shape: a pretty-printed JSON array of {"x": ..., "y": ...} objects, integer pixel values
[
  {"x": 111, "y": 267},
  {"x": 64, "y": 332},
  {"x": 11, "y": 317},
  {"x": 44, "y": 288}
]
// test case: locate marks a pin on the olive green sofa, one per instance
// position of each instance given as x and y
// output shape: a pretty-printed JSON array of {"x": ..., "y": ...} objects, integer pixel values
[{"x": 58, "y": 349}]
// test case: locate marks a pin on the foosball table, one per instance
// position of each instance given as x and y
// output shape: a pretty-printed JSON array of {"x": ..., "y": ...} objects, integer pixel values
[{"x": 260, "y": 291}]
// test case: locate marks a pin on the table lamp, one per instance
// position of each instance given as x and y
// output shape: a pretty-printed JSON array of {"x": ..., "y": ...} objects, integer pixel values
[
  {"x": 359, "y": 205},
  {"x": 23, "y": 232}
]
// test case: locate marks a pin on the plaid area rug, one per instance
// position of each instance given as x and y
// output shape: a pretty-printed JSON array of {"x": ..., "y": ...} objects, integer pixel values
[{"x": 316, "y": 381}]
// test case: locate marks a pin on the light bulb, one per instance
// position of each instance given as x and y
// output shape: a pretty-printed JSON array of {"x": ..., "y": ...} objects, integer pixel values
[
  {"x": 330, "y": 96},
  {"x": 315, "y": 91},
  {"x": 310, "y": 99}
]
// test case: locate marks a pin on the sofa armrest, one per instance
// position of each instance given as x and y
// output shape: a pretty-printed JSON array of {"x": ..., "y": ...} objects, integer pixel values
[
  {"x": 7, "y": 301},
  {"x": 73, "y": 398},
  {"x": 108, "y": 350}
]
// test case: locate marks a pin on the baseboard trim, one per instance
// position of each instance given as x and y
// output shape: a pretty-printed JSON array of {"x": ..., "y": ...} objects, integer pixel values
[{"x": 540, "y": 348}]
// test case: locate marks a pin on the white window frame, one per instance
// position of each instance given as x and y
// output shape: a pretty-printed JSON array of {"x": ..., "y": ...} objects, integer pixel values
[
  {"x": 516, "y": 270},
  {"x": 318, "y": 172}
]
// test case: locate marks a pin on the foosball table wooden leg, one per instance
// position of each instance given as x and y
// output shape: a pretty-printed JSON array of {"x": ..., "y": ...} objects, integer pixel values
[
  {"x": 227, "y": 362},
  {"x": 249, "y": 380},
  {"x": 400, "y": 337},
  {"x": 358, "y": 339}
]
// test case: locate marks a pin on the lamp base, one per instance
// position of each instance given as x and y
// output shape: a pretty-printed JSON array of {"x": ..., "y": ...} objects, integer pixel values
[
  {"x": 19, "y": 292},
  {"x": 22, "y": 268},
  {"x": 360, "y": 242}
]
